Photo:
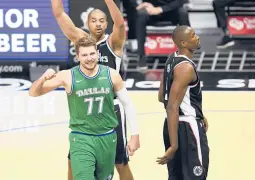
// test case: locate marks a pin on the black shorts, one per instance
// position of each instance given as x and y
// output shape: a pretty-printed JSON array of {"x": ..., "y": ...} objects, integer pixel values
[
  {"x": 191, "y": 160},
  {"x": 121, "y": 151}
]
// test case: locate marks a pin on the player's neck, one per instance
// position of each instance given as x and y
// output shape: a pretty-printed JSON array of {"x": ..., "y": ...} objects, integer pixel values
[
  {"x": 186, "y": 53},
  {"x": 98, "y": 38},
  {"x": 90, "y": 72}
]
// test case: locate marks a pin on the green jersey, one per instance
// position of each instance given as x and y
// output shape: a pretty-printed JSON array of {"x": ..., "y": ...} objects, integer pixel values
[{"x": 90, "y": 102}]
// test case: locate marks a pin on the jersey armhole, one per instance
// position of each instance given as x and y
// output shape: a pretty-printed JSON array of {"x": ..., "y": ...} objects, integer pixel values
[
  {"x": 109, "y": 76},
  {"x": 110, "y": 49},
  {"x": 193, "y": 83},
  {"x": 72, "y": 82}
]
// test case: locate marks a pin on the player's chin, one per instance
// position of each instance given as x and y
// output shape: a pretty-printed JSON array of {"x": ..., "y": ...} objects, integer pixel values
[
  {"x": 89, "y": 66},
  {"x": 99, "y": 33},
  {"x": 92, "y": 66}
]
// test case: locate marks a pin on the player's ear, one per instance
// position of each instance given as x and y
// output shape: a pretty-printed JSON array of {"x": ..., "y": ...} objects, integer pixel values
[
  {"x": 77, "y": 57},
  {"x": 184, "y": 44}
]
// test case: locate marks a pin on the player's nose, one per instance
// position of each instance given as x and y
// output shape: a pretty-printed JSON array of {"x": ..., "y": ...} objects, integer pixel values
[
  {"x": 198, "y": 39},
  {"x": 98, "y": 24}
]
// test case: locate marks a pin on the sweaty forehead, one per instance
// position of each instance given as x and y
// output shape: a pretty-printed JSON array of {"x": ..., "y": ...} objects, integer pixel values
[{"x": 97, "y": 15}]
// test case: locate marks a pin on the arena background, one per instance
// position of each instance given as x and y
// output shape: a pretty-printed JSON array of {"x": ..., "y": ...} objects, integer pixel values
[
  {"x": 31, "y": 41},
  {"x": 34, "y": 132}
]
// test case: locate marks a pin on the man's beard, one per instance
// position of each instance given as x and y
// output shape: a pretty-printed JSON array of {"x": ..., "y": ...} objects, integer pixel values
[{"x": 89, "y": 68}]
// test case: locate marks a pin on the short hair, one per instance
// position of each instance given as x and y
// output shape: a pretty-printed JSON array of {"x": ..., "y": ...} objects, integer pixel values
[
  {"x": 97, "y": 10},
  {"x": 180, "y": 34},
  {"x": 86, "y": 41}
]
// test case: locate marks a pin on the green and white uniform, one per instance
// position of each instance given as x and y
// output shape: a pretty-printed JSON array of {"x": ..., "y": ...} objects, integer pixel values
[{"x": 92, "y": 121}]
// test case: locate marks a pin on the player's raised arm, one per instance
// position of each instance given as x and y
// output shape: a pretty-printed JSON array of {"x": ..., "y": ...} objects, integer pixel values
[
  {"x": 66, "y": 24},
  {"x": 49, "y": 81},
  {"x": 121, "y": 91},
  {"x": 118, "y": 36}
]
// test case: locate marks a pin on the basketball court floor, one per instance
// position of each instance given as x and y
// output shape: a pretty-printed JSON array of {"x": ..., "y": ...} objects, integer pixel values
[{"x": 34, "y": 136}]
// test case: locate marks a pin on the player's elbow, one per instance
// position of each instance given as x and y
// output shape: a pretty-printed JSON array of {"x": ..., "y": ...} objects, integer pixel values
[
  {"x": 33, "y": 93},
  {"x": 126, "y": 102},
  {"x": 57, "y": 12},
  {"x": 172, "y": 108},
  {"x": 120, "y": 24}
]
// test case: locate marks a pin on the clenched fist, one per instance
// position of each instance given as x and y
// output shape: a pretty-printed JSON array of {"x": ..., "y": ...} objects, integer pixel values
[{"x": 49, "y": 74}]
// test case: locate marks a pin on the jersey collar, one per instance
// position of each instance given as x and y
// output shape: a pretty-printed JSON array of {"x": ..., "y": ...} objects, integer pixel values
[
  {"x": 104, "y": 39},
  {"x": 176, "y": 55}
]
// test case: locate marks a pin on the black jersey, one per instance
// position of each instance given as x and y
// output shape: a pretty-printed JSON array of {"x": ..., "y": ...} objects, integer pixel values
[
  {"x": 107, "y": 57},
  {"x": 191, "y": 104}
]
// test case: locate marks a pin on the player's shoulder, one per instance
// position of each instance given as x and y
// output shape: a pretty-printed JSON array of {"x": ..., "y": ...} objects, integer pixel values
[
  {"x": 113, "y": 71},
  {"x": 103, "y": 67},
  {"x": 64, "y": 74},
  {"x": 66, "y": 71},
  {"x": 184, "y": 68},
  {"x": 114, "y": 75},
  {"x": 108, "y": 69}
]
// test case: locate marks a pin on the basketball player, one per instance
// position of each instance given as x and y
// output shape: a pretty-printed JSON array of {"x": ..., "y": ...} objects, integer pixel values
[
  {"x": 91, "y": 89},
  {"x": 110, "y": 48},
  {"x": 187, "y": 151}
]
